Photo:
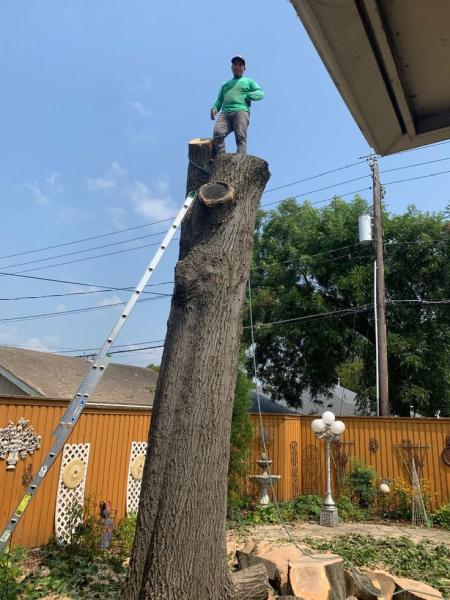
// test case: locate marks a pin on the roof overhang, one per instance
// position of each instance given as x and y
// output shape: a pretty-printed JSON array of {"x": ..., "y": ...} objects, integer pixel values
[
  {"x": 18, "y": 382},
  {"x": 390, "y": 60}
]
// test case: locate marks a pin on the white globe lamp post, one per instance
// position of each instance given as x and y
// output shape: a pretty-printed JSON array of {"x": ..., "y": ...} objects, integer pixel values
[{"x": 328, "y": 429}]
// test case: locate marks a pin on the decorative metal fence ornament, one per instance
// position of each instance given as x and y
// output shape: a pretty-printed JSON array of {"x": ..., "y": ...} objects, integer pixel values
[
  {"x": 311, "y": 471},
  {"x": 293, "y": 446},
  {"x": 373, "y": 444},
  {"x": 446, "y": 452},
  {"x": 413, "y": 458},
  {"x": 135, "y": 472},
  {"x": 16, "y": 441},
  {"x": 340, "y": 453}
]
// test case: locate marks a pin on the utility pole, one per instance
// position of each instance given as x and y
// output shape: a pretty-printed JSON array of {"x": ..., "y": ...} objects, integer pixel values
[{"x": 380, "y": 300}]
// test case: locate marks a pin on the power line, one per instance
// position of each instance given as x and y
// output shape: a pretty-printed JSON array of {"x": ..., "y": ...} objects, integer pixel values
[
  {"x": 317, "y": 316},
  {"x": 68, "y": 350},
  {"x": 428, "y": 162},
  {"x": 302, "y": 257},
  {"x": 133, "y": 350},
  {"x": 65, "y": 281},
  {"x": 75, "y": 294},
  {"x": 74, "y": 311},
  {"x": 87, "y": 239},
  {"x": 69, "y": 262},
  {"x": 29, "y": 262},
  {"x": 315, "y": 176},
  {"x": 356, "y": 191},
  {"x": 343, "y": 312},
  {"x": 426, "y": 302},
  {"x": 415, "y": 178},
  {"x": 320, "y": 201}
]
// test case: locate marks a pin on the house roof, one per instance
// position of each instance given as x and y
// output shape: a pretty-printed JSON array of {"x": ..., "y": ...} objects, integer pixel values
[
  {"x": 43, "y": 374},
  {"x": 389, "y": 61},
  {"x": 341, "y": 401}
]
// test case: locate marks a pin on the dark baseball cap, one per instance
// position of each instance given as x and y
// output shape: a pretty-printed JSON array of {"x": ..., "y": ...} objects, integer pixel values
[{"x": 238, "y": 57}]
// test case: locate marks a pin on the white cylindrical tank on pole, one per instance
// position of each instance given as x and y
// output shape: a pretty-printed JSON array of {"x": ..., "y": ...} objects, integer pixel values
[{"x": 365, "y": 228}]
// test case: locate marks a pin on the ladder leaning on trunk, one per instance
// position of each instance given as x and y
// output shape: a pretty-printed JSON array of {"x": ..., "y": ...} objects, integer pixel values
[{"x": 91, "y": 380}]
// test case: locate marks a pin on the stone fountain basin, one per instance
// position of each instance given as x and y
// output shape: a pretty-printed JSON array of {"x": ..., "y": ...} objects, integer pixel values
[{"x": 265, "y": 478}]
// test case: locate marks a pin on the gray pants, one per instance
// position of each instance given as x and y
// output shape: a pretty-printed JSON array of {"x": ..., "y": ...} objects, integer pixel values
[{"x": 225, "y": 124}]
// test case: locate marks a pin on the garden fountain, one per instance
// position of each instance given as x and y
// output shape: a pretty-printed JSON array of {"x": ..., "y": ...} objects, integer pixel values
[{"x": 265, "y": 480}]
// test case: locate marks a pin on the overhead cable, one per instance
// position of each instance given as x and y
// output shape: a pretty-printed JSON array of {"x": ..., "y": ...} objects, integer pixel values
[
  {"x": 78, "y": 260},
  {"x": 65, "y": 281},
  {"x": 74, "y": 311},
  {"x": 29, "y": 262}
]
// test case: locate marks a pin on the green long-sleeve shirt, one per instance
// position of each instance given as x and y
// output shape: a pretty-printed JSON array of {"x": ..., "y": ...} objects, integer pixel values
[{"x": 236, "y": 94}]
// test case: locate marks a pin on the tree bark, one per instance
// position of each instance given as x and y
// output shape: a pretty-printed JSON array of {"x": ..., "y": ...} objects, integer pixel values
[{"x": 179, "y": 549}]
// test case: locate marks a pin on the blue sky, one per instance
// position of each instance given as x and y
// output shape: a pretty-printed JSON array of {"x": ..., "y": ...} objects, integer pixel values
[{"x": 98, "y": 102}]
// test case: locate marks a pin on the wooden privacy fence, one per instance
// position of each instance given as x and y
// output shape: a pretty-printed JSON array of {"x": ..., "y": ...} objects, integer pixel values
[
  {"x": 298, "y": 456},
  {"x": 109, "y": 431}
]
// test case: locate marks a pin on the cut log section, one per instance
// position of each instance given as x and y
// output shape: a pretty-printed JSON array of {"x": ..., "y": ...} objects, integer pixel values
[
  {"x": 275, "y": 558},
  {"x": 251, "y": 583},
  {"x": 215, "y": 193},
  {"x": 318, "y": 578},
  {"x": 415, "y": 590},
  {"x": 363, "y": 587}
]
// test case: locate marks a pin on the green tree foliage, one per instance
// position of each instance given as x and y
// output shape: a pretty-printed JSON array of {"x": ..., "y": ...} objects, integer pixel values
[
  {"x": 308, "y": 261},
  {"x": 241, "y": 435}
]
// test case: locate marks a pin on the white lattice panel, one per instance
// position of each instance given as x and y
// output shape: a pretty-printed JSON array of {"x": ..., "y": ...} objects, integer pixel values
[
  {"x": 134, "y": 485},
  {"x": 68, "y": 495}
]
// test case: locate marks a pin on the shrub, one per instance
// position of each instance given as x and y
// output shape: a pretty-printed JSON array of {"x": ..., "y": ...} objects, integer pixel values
[
  {"x": 348, "y": 511},
  {"x": 401, "y": 498},
  {"x": 124, "y": 534},
  {"x": 10, "y": 571},
  {"x": 85, "y": 524},
  {"x": 441, "y": 517},
  {"x": 307, "y": 508},
  {"x": 360, "y": 484}
]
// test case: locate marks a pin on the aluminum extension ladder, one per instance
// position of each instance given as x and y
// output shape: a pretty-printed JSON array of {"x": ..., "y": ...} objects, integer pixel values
[{"x": 90, "y": 381}]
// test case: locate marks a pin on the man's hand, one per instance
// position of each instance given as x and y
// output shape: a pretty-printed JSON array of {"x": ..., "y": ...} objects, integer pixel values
[{"x": 213, "y": 113}]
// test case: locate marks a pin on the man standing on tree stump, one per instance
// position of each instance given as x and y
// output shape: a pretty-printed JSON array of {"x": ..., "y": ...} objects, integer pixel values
[{"x": 235, "y": 97}]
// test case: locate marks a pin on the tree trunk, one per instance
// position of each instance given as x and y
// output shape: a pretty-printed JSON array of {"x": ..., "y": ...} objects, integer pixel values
[{"x": 179, "y": 549}]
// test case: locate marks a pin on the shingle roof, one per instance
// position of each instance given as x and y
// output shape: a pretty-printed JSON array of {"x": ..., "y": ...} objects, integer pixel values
[
  {"x": 56, "y": 376},
  {"x": 341, "y": 401}
]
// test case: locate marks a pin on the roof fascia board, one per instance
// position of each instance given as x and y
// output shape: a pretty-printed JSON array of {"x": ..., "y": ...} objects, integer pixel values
[
  {"x": 404, "y": 142},
  {"x": 314, "y": 30},
  {"x": 18, "y": 382},
  {"x": 350, "y": 84},
  {"x": 378, "y": 28}
]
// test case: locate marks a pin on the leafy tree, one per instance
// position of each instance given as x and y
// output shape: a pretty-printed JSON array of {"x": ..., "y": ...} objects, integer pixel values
[
  {"x": 308, "y": 261},
  {"x": 241, "y": 435},
  {"x": 154, "y": 367}
]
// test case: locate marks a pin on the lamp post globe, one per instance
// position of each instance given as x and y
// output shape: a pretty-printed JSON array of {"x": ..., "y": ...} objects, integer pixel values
[
  {"x": 328, "y": 417},
  {"x": 318, "y": 426},
  {"x": 337, "y": 427}
]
